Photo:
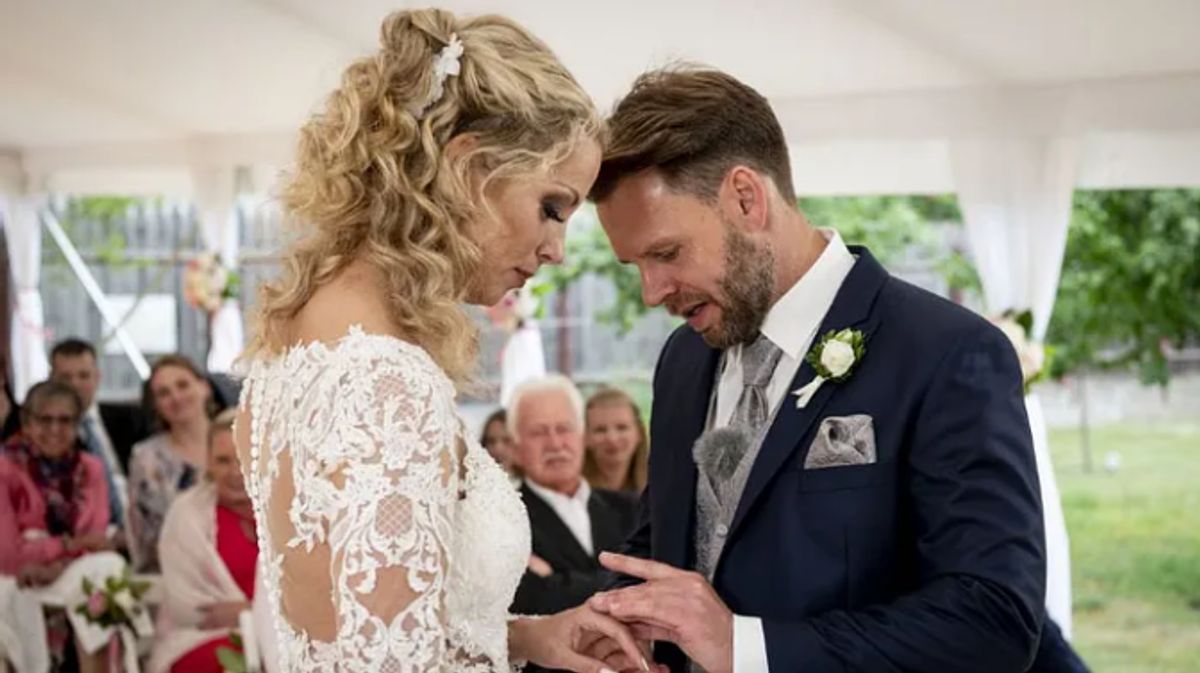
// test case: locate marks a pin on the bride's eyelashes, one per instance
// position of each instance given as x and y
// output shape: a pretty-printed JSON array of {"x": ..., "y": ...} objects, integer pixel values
[{"x": 552, "y": 211}]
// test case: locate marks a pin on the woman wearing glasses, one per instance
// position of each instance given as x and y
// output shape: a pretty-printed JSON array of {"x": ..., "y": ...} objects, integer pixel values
[{"x": 54, "y": 515}]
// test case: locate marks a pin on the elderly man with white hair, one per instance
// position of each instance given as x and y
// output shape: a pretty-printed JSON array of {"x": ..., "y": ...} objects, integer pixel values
[{"x": 571, "y": 522}]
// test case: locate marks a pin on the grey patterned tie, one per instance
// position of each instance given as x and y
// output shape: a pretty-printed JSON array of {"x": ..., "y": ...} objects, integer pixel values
[
  {"x": 759, "y": 360},
  {"x": 720, "y": 453},
  {"x": 751, "y": 413}
]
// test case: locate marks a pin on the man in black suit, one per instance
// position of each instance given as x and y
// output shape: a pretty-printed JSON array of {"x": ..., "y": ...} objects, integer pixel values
[
  {"x": 571, "y": 522},
  {"x": 109, "y": 431}
]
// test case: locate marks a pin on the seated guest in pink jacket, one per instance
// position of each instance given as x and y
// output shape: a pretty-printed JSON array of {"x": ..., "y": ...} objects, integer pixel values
[
  {"x": 57, "y": 495},
  {"x": 53, "y": 495}
]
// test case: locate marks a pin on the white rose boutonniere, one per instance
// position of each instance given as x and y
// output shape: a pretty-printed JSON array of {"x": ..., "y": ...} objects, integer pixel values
[{"x": 833, "y": 358}]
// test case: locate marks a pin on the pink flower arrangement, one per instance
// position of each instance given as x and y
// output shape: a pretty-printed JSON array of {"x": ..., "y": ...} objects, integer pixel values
[
  {"x": 115, "y": 602},
  {"x": 206, "y": 283},
  {"x": 96, "y": 604}
]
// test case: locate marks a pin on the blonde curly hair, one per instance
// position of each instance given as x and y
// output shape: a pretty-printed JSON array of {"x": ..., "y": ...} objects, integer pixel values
[{"x": 372, "y": 181}]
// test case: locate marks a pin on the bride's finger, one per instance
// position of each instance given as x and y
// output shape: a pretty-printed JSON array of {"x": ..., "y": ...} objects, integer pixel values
[
  {"x": 619, "y": 661},
  {"x": 573, "y": 661},
  {"x": 605, "y": 648},
  {"x": 609, "y": 651},
  {"x": 618, "y": 632}
]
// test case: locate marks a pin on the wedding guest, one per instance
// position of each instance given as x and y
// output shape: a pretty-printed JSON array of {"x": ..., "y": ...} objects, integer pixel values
[
  {"x": 618, "y": 448},
  {"x": 170, "y": 462},
  {"x": 53, "y": 502},
  {"x": 107, "y": 431},
  {"x": 208, "y": 551},
  {"x": 571, "y": 522},
  {"x": 497, "y": 440}
]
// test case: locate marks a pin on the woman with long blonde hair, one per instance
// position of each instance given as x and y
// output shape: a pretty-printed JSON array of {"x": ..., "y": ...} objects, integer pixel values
[
  {"x": 617, "y": 456},
  {"x": 441, "y": 171}
]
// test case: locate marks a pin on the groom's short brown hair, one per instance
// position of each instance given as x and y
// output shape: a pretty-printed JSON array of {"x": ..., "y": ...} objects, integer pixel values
[{"x": 693, "y": 125}]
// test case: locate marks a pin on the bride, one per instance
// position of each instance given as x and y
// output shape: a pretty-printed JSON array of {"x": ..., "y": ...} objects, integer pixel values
[{"x": 442, "y": 170}]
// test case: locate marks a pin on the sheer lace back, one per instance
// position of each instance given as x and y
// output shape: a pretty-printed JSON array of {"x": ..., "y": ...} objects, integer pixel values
[{"x": 389, "y": 539}]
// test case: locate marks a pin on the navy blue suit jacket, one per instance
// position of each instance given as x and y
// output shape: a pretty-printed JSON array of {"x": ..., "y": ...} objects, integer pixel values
[{"x": 931, "y": 559}]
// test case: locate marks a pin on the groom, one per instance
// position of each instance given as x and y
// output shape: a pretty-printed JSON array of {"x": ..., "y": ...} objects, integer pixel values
[{"x": 842, "y": 475}]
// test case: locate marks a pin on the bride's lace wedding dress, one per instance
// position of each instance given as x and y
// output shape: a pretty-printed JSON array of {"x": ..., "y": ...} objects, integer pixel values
[{"x": 390, "y": 540}]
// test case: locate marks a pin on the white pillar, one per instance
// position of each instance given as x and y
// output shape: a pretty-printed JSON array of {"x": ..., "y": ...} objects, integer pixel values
[
  {"x": 1015, "y": 196},
  {"x": 216, "y": 201}
]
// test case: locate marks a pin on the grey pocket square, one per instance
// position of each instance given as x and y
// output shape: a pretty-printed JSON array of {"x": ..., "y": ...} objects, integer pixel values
[{"x": 844, "y": 440}]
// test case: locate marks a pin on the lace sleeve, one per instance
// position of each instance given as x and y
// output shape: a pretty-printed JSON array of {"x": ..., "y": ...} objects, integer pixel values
[{"x": 395, "y": 485}]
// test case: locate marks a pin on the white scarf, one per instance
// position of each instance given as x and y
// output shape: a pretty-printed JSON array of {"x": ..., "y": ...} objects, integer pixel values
[{"x": 193, "y": 575}]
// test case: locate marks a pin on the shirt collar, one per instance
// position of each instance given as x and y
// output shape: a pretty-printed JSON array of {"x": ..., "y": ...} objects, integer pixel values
[
  {"x": 581, "y": 497},
  {"x": 795, "y": 318}
]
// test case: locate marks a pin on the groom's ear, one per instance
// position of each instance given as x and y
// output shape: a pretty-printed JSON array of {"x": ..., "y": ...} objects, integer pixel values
[{"x": 743, "y": 195}]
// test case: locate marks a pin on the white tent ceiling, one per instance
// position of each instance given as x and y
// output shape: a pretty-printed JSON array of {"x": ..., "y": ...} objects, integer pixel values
[{"x": 117, "y": 94}]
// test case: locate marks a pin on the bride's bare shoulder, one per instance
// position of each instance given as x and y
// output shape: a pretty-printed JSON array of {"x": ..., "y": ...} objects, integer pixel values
[{"x": 353, "y": 299}]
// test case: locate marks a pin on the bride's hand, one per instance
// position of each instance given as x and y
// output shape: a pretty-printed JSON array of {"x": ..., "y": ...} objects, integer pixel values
[
  {"x": 609, "y": 651},
  {"x": 567, "y": 639}
]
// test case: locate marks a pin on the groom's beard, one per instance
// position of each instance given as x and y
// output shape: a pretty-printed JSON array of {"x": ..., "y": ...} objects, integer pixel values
[{"x": 749, "y": 279}]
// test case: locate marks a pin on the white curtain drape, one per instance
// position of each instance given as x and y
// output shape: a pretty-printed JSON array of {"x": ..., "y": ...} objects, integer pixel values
[
  {"x": 216, "y": 200},
  {"x": 523, "y": 358},
  {"x": 22, "y": 225},
  {"x": 1015, "y": 197}
]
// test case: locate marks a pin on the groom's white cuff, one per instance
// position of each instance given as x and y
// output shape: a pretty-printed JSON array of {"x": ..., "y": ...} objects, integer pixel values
[{"x": 749, "y": 645}]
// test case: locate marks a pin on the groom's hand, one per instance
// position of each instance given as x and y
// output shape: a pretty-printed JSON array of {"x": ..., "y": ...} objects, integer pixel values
[{"x": 674, "y": 605}]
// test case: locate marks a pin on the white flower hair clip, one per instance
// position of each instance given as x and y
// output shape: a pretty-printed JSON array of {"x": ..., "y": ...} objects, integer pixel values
[{"x": 445, "y": 64}]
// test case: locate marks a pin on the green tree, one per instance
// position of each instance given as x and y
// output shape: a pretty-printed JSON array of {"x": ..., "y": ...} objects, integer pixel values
[
  {"x": 1130, "y": 282},
  {"x": 889, "y": 225},
  {"x": 588, "y": 252},
  {"x": 893, "y": 225}
]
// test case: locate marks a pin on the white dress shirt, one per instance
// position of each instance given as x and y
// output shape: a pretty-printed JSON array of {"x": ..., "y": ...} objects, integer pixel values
[
  {"x": 572, "y": 509},
  {"x": 792, "y": 325}
]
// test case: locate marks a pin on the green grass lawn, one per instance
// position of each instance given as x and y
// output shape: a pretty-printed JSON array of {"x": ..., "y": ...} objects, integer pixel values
[{"x": 1135, "y": 546}]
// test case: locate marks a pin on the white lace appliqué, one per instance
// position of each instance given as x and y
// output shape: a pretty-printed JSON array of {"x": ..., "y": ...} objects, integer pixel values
[{"x": 383, "y": 551}]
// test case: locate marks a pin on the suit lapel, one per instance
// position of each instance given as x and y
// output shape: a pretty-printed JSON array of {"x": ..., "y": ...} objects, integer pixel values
[
  {"x": 677, "y": 421},
  {"x": 852, "y": 307},
  {"x": 555, "y": 533},
  {"x": 606, "y": 533}
]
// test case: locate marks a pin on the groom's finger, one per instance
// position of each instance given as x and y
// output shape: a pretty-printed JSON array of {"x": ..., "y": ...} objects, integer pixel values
[
  {"x": 651, "y": 632},
  {"x": 655, "y": 608},
  {"x": 638, "y": 567},
  {"x": 654, "y": 591}
]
